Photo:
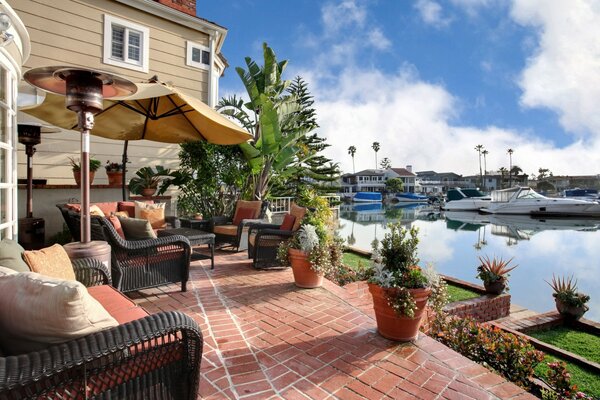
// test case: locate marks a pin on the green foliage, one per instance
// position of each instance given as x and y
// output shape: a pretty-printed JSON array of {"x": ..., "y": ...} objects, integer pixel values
[
  {"x": 113, "y": 167},
  {"x": 386, "y": 163},
  {"x": 148, "y": 177},
  {"x": 509, "y": 355},
  {"x": 585, "y": 380},
  {"x": 559, "y": 379},
  {"x": 399, "y": 250},
  {"x": 211, "y": 178},
  {"x": 457, "y": 293},
  {"x": 565, "y": 290},
  {"x": 76, "y": 165},
  {"x": 493, "y": 270},
  {"x": 394, "y": 185}
]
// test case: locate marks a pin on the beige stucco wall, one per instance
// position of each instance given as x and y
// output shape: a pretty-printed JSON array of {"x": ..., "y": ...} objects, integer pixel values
[{"x": 70, "y": 32}]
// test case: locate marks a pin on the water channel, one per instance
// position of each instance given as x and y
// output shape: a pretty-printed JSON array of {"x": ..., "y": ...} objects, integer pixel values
[{"x": 452, "y": 241}]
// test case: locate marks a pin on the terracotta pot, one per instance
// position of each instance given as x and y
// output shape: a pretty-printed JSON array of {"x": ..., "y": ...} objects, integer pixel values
[
  {"x": 570, "y": 312},
  {"x": 389, "y": 324},
  {"x": 495, "y": 287},
  {"x": 148, "y": 192},
  {"x": 77, "y": 176},
  {"x": 115, "y": 178},
  {"x": 304, "y": 276}
]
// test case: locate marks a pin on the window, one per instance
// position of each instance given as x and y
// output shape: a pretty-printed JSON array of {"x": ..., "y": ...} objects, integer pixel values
[
  {"x": 197, "y": 55},
  {"x": 8, "y": 159},
  {"x": 126, "y": 44}
]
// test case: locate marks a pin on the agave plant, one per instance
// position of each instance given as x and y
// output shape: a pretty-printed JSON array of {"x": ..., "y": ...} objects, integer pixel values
[
  {"x": 493, "y": 270},
  {"x": 565, "y": 292}
]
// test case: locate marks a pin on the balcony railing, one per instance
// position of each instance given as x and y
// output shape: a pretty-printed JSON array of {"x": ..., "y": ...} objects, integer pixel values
[{"x": 281, "y": 205}]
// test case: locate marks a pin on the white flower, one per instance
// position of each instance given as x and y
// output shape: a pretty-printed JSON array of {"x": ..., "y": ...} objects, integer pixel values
[{"x": 307, "y": 238}]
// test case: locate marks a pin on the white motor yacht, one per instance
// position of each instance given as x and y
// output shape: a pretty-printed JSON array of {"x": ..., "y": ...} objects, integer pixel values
[
  {"x": 466, "y": 200},
  {"x": 525, "y": 200}
]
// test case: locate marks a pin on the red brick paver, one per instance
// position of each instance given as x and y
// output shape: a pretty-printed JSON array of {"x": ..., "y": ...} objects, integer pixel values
[{"x": 265, "y": 338}]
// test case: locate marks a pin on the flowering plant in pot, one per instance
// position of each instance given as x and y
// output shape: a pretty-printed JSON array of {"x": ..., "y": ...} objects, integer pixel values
[
  {"x": 76, "y": 167},
  {"x": 114, "y": 172},
  {"x": 400, "y": 288},
  {"x": 494, "y": 273},
  {"x": 570, "y": 303}
]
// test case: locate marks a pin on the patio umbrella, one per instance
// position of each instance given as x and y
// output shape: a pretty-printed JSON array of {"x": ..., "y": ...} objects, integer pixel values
[{"x": 157, "y": 111}]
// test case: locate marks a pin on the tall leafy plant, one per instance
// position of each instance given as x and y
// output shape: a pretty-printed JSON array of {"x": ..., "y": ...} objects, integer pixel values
[{"x": 272, "y": 116}]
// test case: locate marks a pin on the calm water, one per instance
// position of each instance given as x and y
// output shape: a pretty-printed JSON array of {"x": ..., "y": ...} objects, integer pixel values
[{"x": 452, "y": 241}]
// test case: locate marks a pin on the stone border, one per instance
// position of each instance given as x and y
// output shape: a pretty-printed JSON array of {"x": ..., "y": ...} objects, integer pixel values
[{"x": 549, "y": 320}]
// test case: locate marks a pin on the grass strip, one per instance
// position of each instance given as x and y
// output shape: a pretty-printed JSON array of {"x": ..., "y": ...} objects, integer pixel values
[
  {"x": 456, "y": 293},
  {"x": 581, "y": 343},
  {"x": 355, "y": 261},
  {"x": 586, "y": 381}
]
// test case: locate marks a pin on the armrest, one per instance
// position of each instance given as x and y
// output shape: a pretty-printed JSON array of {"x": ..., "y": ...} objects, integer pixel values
[
  {"x": 219, "y": 220},
  {"x": 274, "y": 232},
  {"x": 142, "y": 244},
  {"x": 259, "y": 226},
  {"x": 91, "y": 272},
  {"x": 60, "y": 365}
]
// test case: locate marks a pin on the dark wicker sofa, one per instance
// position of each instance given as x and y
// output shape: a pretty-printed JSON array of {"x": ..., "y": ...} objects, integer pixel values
[
  {"x": 139, "y": 264},
  {"x": 153, "y": 357}
]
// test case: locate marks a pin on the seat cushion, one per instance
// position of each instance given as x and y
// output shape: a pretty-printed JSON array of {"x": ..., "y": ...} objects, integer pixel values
[
  {"x": 229, "y": 230},
  {"x": 37, "y": 311},
  {"x": 288, "y": 222},
  {"x": 119, "y": 306},
  {"x": 299, "y": 213},
  {"x": 52, "y": 261},
  {"x": 242, "y": 214},
  {"x": 11, "y": 256}
]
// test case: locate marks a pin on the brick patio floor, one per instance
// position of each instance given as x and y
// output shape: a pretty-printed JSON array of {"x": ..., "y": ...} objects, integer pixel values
[{"x": 264, "y": 338}]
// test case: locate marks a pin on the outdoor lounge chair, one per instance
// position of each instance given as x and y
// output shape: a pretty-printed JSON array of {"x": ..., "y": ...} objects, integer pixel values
[
  {"x": 140, "y": 264},
  {"x": 229, "y": 230},
  {"x": 264, "y": 239},
  {"x": 144, "y": 357}
]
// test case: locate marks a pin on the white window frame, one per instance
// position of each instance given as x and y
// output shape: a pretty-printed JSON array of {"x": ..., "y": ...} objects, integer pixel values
[
  {"x": 143, "y": 66},
  {"x": 190, "y": 46}
]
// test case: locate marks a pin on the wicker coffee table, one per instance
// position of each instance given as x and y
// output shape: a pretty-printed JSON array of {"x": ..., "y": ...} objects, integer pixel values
[{"x": 196, "y": 238}]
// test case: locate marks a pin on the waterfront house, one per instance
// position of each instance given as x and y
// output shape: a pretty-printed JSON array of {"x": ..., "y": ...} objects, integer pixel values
[
  {"x": 432, "y": 182},
  {"x": 373, "y": 180},
  {"x": 137, "y": 39}
]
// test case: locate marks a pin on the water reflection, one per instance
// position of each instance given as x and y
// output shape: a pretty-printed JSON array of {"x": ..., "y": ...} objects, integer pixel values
[{"x": 452, "y": 241}]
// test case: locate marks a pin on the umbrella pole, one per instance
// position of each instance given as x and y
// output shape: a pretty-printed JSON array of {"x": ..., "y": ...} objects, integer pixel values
[
  {"x": 86, "y": 123},
  {"x": 124, "y": 161}
]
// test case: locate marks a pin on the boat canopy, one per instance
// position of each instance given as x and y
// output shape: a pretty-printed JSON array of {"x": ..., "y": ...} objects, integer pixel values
[
  {"x": 458, "y": 194},
  {"x": 375, "y": 196},
  {"x": 506, "y": 195}
]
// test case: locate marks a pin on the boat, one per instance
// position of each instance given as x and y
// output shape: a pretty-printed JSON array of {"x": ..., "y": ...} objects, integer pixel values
[
  {"x": 525, "y": 200},
  {"x": 582, "y": 194},
  {"x": 407, "y": 197},
  {"x": 367, "y": 197},
  {"x": 523, "y": 227},
  {"x": 468, "y": 199}
]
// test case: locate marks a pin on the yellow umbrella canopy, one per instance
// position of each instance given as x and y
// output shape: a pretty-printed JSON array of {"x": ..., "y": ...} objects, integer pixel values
[{"x": 157, "y": 112}]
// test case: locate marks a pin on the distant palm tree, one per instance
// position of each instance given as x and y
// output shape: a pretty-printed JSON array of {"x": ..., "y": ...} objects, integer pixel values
[
  {"x": 502, "y": 172},
  {"x": 510, "y": 153},
  {"x": 352, "y": 151},
  {"x": 485, "y": 153},
  {"x": 386, "y": 163},
  {"x": 376, "y": 147},
  {"x": 479, "y": 149}
]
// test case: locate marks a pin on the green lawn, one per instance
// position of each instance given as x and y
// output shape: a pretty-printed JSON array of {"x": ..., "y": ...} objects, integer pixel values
[
  {"x": 580, "y": 343},
  {"x": 456, "y": 293},
  {"x": 355, "y": 261},
  {"x": 586, "y": 381}
]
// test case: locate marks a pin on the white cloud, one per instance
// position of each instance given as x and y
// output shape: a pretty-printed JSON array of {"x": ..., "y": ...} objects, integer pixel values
[
  {"x": 342, "y": 14},
  {"x": 431, "y": 13},
  {"x": 471, "y": 7},
  {"x": 378, "y": 40},
  {"x": 562, "y": 73}
]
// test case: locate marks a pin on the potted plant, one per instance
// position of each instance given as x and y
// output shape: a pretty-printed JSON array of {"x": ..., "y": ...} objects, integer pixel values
[
  {"x": 494, "y": 274},
  {"x": 146, "y": 181},
  {"x": 569, "y": 302},
  {"x": 114, "y": 172},
  {"x": 76, "y": 167},
  {"x": 399, "y": 287}
]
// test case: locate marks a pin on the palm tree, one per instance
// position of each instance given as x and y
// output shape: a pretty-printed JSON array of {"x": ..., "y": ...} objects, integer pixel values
[
  {"x": 479, "y": 149},
  {"x": 485, "y": 153},
  {"x": 510, "y": 153},
  {"x": 386, "y": 163},
  {"x": 502, "y": 172},
  {"x": 376, "y": 147},
  {"x": 352, "y": 151}
]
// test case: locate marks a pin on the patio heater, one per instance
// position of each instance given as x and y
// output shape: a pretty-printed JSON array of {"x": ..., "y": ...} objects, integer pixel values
[
  {"x": 31, "y": 230},
  {"x": 84, "y": 90}
]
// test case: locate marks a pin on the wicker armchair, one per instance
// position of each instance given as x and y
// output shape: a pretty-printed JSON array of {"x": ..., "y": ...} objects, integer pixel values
[
  {"x": 264, "y": 239},
  {"x": 140, "y": 264},
  {"x": 226, "y": 229},
  {"x": 156, "y": 357}
]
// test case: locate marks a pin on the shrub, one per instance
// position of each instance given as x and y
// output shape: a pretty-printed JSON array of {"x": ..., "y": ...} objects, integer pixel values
[
  {"x": 510, "y": 355},
  {"x": 559, "y": 379}
]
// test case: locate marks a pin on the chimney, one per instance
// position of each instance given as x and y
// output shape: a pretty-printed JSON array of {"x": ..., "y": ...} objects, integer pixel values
[
  {"x": 186, "y": 6},
  {"x": 409, "y": 168}
]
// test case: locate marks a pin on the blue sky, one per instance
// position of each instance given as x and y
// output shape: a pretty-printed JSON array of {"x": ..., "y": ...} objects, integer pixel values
[{"x": 431, "y": 79}]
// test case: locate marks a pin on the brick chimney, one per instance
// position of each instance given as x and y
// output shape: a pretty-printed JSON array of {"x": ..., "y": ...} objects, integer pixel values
[
  {"x": 186, "y": 6},
  {"x": 409, "y": 168}
]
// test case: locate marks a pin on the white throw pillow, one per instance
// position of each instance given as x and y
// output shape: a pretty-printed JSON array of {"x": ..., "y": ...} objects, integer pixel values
[
  {"x": 37, "y": 311},
  {"x": 140, "y": 205}
]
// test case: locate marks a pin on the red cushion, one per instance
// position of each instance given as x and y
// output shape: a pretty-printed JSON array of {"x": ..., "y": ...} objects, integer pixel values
[
  {"x": 243, "y": 213},
  {"x": 117, "y": 304},
  {"x": 74, "y": 207},
  {"x": 117, "y": 224},
  {"x": 288, "y": 222}
]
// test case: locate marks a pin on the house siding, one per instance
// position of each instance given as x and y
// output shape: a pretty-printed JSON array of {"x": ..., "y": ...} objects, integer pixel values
[{"x": 70, "y": 32}]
